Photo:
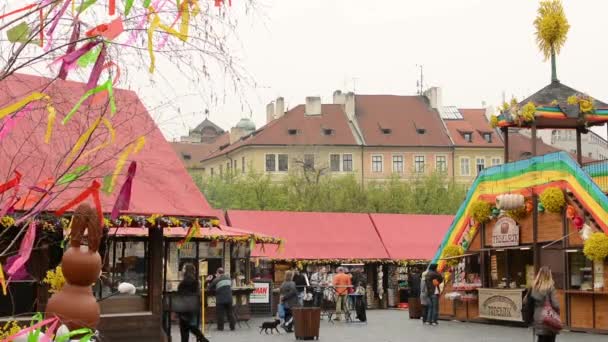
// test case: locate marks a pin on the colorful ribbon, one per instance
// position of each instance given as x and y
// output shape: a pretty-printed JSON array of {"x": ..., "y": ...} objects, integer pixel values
[
  {"x": 129, "y": 4},
  {"x": 35, "y": 328},
  {"x": 31, "y": 199},
  {"x": 63, "y": 71},
  {"x": 106, "y": 86},
  {"x": 109, "y": 30},
  {"x": 70, "y": 59},
  {"x": 12, "y": 121},
  {"x": 133, "y": 148},
  {"x": 72, "y": 176},
  {"x": 12, "y": 183},
  {"x": 124, "y": 196},
  {"x": 97, "y": 68},
  {"x": 25, "y": 250},
  {"x": 18, "y": 10},
  {"x": 54, "y": 23},
  {"x": 195, "y": 229},
  {"x": 93, "y": 191},
  {"x": 36, "y": 96},
  {"x": 2, "y": 280}
]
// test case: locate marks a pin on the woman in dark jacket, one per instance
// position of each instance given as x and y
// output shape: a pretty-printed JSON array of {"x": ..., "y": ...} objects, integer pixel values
[
  {"x": 187, "y": 320},
  {"x": 543, "y": 289},
  {"x": 289, "y": 299}
]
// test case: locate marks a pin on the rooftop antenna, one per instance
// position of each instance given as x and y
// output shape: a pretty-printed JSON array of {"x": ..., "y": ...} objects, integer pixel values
[
  {"x": 206, "y": 114},
  {"x": 355, "y": 84},
  {"x": 420, "y": 82}
]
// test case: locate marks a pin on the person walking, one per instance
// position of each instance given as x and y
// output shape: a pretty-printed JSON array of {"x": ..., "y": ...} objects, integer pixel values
[
  {"x": 319, "y": 281},
  {"x": 289, "y": 299},
  {"x": 432, "y": 282},
  {"x": 222, "y": 284},
  {"x": 342, "y": 282},
  {"x": 189, "y": 286},
  {"x": 300, "y": 281},
  {"x": 424, "y": 298},
  {"x": 543, "y": 291}
]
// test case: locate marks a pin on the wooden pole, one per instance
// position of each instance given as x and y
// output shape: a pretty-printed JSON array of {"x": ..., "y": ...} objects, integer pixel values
[
  {"x": 579, "y": 149},
  {"x": 505, "y": 134},
  {"x": 536, "y": 251},
  {"x": 203, "y": 303}
]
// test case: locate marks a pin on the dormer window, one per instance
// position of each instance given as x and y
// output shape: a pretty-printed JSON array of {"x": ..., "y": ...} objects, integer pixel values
[
  {"x": 386, "y": 130},
  {"x": 292, "y": 131},
  {"x": 468, "y": 136},
  {"x": 186, "y": 156},
  {"x": 487, "y": 137},
  {"x": 420, "y": 130},
  {"x": 328, "y": 131}
]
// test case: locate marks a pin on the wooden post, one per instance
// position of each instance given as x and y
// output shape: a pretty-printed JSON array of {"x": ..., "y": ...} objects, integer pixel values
[
  {"x": 579, "y": 149},
  {"x": 536, "y": 251},
  {"x": 505, "y": 134},
  {"x": 534, "y": 139},
  {"x": 203, "y": 302},
  {"x": 155, "y": 236}
]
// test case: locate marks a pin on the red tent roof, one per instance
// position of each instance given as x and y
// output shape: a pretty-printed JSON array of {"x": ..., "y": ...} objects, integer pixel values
[
  {"x": 309, "y": 235},
  {"x": 161, "y": 184},
  {"x": 411, "y": 237}
]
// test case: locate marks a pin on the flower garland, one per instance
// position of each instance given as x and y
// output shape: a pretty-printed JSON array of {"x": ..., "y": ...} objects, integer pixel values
[
  {"x": 480, "y": 211},
  {"x": 596, "y": 247},
  {"x": 10, "y": 328},
  {"x": 527, "y": 112},
  {"x": 553, "y": 199},
  {"x": 451, "y": 253},
  {"x": 7, "y": 221},
  {"x": 585, "y": 103},
  {"x": 304, "y": 262}
]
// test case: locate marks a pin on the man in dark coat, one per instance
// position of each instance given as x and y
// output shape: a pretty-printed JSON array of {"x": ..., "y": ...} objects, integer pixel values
[
  {"x": 222, "y": 284},
  {"x": 432, "y": 281}
]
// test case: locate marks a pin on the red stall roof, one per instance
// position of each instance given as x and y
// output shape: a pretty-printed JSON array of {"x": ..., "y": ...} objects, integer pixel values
[
  {"x": 411, "y": 237},
  {"x": 161, "y": 184},
  {"x": 309, "y": 235}
]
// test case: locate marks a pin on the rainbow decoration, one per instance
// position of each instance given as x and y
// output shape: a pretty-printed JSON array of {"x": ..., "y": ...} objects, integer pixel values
[
  {"x": 599, "y": 116},
  {"x": 599, "y": 172},
  {"x": 525, "y": 176}
]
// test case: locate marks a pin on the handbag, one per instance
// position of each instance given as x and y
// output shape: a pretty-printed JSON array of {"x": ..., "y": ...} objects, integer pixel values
[
  {"x": 281, "y": 311},
  {"x": 550, "y": 317},
  {"x": 185, "y": 303}
]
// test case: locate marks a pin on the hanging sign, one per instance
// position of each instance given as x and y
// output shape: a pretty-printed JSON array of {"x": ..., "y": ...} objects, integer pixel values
[
  {"x": 504, "y": 305},
  {"x": 505, "y": 233}
]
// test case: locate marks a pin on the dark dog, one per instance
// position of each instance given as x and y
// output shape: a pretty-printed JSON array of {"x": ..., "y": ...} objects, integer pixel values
[{"x": 270, "y": 325}]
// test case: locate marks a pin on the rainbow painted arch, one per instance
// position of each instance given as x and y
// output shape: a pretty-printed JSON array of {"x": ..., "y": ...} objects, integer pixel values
[
  {"x": 599, "y": 116},
  {"x": 527, "y": 176}
]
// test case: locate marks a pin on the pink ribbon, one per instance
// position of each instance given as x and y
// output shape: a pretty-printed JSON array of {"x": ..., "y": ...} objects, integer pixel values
[
  {"x": 97, "y": 68},
  {"x": 12, "y": 121},
  {"x": 69, "y": 59},
  {"x": 25, "y": 250},
  {"x": 58, "y": 14},
  {"x": 158, "y": 5},
  {"x": 63, "y": 72},
  {"x": 124, "y": 196},
  {"x": 33, "y": 328}
]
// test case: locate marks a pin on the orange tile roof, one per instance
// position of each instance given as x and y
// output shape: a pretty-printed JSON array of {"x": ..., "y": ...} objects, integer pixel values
[{"x": 474, "y": 121}]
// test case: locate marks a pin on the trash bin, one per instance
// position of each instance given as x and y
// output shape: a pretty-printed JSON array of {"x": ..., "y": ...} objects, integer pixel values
[
  {"x": 415, "y": 308},
  {"x": 307, "y": 322}
]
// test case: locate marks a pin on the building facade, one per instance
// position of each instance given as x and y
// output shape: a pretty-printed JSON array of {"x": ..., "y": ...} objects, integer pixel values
[{"x": 593, "y": 145}]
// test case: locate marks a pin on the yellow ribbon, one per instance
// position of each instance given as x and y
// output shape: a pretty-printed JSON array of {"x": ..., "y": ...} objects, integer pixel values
[
  {"x": 36, "y": 96},
  {"x": 184, "y": 27},
  {"x": 82, "y": 140},
  {"x": 2, "y": 280},
  {"x": 112, "y": 132},
  {"x": 133, "y": 148}
]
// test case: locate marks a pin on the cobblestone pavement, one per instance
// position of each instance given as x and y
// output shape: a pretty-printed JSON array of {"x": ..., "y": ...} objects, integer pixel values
[{"x": 393, "y": 326}]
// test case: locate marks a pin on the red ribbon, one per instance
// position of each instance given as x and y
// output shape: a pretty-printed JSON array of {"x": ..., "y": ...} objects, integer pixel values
[
  {"x": 18, "y": 10},
  {"x": 63, "y": 72},
  {"x": 124, "y": 196},
  {"x": 112, "y": 7},
  {"x": 11, "y": 184},
  {"x": 93, "y": 191},
  {"x": 97, "y": 68}
]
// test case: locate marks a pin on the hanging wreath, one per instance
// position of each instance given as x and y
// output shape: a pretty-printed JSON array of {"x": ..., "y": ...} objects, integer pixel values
[
  {"x": 481, "y": 211},
  {"x": 452, "y": 252},
  {"x": 553, "y": 199},
  {"x": 596, "y": 247}
]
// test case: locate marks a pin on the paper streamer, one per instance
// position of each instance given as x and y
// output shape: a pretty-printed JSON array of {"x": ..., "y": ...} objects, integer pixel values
[
  {"x": 82, "y": 140},
  {"x": 18, "y": 10},
  {"x": 19, "y": 33},
  {"x": 23, "y": 103},
  {"x": 133, "y": 148},
  {"x": 25, "y": 250},
  {"x": 12, "y": 183},
  {"x": 129, "y": 4},
  {"x": 31, "y": 199},
  {"x": 106, "y": 86},
  {"x": 109, "y": 31},
  {"x": 63, "y": 71},
  {"x": 97, "y": 68},
  {"x": 195, "y": 229},
  {"x": 109, "y": 65},
  {"x": 2, "y": 280},
  {"x": 11, "y": 122},
  {"x": 70, "y": 59},
  {"x": 85, "y": 5},
  {"x": 144, "y": 19},
  {"x": 112, "y": 7},
  {"x": 124, "y": 196},
  {"x": 72, "y": 176},
  {"x": 57, "y": 15},
  {"x": 89, "y": 57}
]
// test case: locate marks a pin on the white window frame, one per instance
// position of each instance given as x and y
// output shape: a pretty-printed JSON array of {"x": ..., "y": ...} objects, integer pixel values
[
  {"x": 446, "y": 163},
  {"x": 339, "y": 161},
  {"x": 499, "y": 159},
  {"x": 468, "y": 162},
  {"x": 276, "y": 166},
  {"x": 476, "y": 165},
  {"x": 402, "y": 163},
  {"x": 381, "y": 163},
  {"x": 423, "y": 163},
  {"x": 277, "y": 162},
  {"x": 352, "y": 162}
]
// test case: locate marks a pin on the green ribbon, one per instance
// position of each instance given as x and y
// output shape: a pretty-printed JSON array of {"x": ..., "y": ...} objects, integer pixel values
[
  {"x": 33, "y": 336},
  {"x": 72, "y": 176},
  {"x": 89, "y": 57},
  {"x": 89, "y": 333},
  {"x": 19, "y": 33}
]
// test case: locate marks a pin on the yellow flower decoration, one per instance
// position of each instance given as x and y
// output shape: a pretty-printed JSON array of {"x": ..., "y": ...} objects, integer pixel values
[
  {"x": 7, "y": 221},
  {"x": 494, "y": 121},
  {"x": 553, "y": 199},
  {"x": 126, "y": 220},
  {"x": 10, "y": 328},
  {"x": 480, "y": 211},
  {"x": 586, "y": 106},
  {"x": 65, "y": 223},
  {"x": 55, "y": 279},
  {"x": 596, "y": 247},
  {"x": 517, "y": 214},
  {"x": 175, "y": 222},
  {"x": 505, "y": 107},
  {"x": 152, "y": 219},
  {"x": 107, "y": 222},
  {"x": 572, "y": 100},
  {"x": 47, "y": 226},
  {"x": 551, "y": 27},
  {"x": 452, "y": 251},
  {"x": 528, "y": 111},
  {"x": 554, "y": 103}
]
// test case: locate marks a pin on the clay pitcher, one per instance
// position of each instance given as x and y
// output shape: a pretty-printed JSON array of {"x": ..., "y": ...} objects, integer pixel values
[{"x": 75, "y": 304}]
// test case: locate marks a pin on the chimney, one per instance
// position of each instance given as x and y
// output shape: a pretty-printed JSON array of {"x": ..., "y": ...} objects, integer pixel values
[
  {"x": 433, "y": 94},
  {"x": 349, "y": 105},
  {"x": 339, "y": 98},
  {"x": 236, "y": 133},
  {"x": 279, "y": 107},
  {"x": 313, "y": 105},
  {"x": 489, "y": 112},
  {"x": 269, "y": 112}
]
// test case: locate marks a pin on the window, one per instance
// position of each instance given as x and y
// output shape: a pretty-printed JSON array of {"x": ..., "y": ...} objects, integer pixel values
[
  {"x": 481, "y": 164},
  {"x": 228, "y": 165},
  {"x": 347, "y": 162},
  {"x": 211, "y": 171},
  {"x": 398, "y": 164},
  {"x": 468, "y": 137},
  {"x": 441, "y": 164},
  {"x": 328, "y": 131},
  {"x": 581, "y": 271},
  {"x": 496, "y": 161},
  {"x": 419, "y": 164},
  {"x": 376, "y": 163},
  {"x": 465, "y": 167},
  {"x": 309, "y": 162},
  {"x": 235, "y": 166},
  {"x": 271, "y": 163},
  {"x": 386, "y": 130},
  {"x": 334, "y": 162},
  {"x": 420, "y": 130},
  {"x": 186, "y": 156},
  {"x": 243, "y": 164},
  {"x": 487, "y": 137},
  {"x": 283, "y": 163},
  {"x": 292, "y": 131},
  {"x": 221, "y": 169}
]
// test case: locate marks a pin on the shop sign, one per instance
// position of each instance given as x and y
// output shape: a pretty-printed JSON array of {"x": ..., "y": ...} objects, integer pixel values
[
  {"x": 260, "y": 294},
  {"x": 505, "y": 233},
  {"x": 499, "y": 304}
]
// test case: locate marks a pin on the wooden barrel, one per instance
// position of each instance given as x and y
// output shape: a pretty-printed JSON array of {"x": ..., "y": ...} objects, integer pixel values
[{"x": 307, "y": 322}]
